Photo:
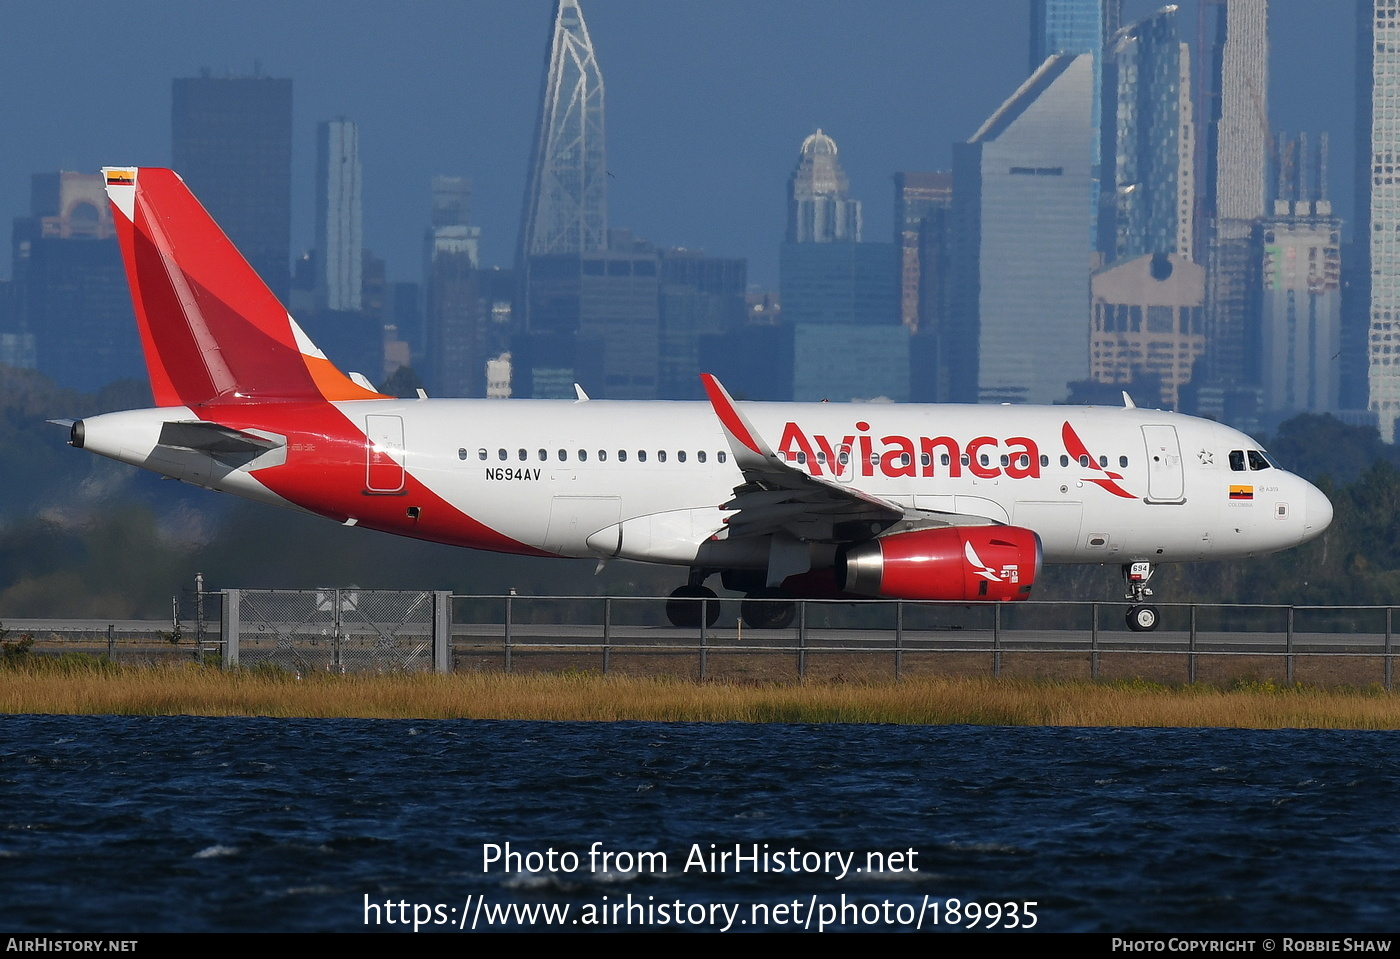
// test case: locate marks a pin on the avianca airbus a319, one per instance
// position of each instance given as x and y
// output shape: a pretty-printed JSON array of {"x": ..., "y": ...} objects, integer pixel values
[{"x": 941, "y": 502}]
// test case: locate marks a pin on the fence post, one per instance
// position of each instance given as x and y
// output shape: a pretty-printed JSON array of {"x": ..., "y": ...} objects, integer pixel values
[
  {"x": 802, "y": 639},
  {"x": 508, "y": 611},
  {"x": 996, "y": 641},
  {"x": 607, "y": 632},
  {"x": 111, "y": 643},
  {"x": 1094, "y": 641},
  {"x": 704, "y": 644},
  {"x": 442, "y": 631},
  {"x": 1389, "y": 619},
  {"x": 898, "y": 641},
  {"x": 199, "y": 618},
  {"x": 1191, "y": 649},
  {"x": 230, "y": 626},
  {"x": 1288, "y": 647}
]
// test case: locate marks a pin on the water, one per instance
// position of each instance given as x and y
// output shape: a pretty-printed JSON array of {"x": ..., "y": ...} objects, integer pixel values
[{"x": 158, "y": 824}]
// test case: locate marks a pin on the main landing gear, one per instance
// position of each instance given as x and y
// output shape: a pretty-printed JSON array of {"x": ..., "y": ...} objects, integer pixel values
[
  {"x": 1142, "y": 617},
  {"x": 762, "y": 608},
  {"x": 688, "y": 603}
]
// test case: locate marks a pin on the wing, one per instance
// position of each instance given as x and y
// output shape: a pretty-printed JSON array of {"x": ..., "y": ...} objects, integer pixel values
[{"x": 777, "y": 497}]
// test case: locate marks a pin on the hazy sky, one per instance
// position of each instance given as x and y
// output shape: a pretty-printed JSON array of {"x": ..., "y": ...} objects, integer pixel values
[{"x": 707, "y": 102}]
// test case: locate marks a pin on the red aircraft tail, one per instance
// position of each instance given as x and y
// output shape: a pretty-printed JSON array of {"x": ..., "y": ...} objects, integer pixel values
[{"x": 212, "y": 331}]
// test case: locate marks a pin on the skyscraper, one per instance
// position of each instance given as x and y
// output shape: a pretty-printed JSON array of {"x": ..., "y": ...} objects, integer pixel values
[
  {"x": 840, "y": 295},
  {"x": 1018, "y": 329},
  {"x": 1237, "y": 152},
  {"x": 566, "y": 196},
  {"x": 820, "y": 209},
  {"x": 1150, "y": 207},
  {"x": 74, "y": 312},
  {"x": 1378, "y": 201},
  {"x": 1077, "y": 27},
  {"x": 339, "y": 218},
  {"x": 1300, "y": 301},
  {"x": 231, "y": 141}
]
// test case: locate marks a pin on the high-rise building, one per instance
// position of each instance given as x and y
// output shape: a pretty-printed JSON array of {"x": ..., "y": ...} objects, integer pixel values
[
  {"x": 1148, "y": 204},
  {"x": 1081, "y": 27},
  {"x": 73, "y": 318},
  {"x": 1147, "y": 325},
  {"x": 840, "y": 295},
  {"x": 566, "y": 196},
  {"x": 921, "y": 205},
  {"x": 1018, "y": 329},
  {"x": 1237, "y": 146},
  {"x": 820, "y": 209},
  {"x": 455, "y": 324},
  {"x": 231, "y": 141},
  {"x": 1378, "y": 205},
  {"x": 339, "y": 216}
]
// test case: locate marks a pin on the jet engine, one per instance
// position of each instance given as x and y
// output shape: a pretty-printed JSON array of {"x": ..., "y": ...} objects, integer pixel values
[{"x": 958, "y": 563}]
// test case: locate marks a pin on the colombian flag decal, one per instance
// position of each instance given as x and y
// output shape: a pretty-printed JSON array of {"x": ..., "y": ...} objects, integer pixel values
[
  {"x": 1241, "y": 492},
  {"x": 120, "y": 178}
]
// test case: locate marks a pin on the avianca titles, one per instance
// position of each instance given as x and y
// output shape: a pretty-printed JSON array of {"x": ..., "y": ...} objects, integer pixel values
[{"x": 791, "y": 500}]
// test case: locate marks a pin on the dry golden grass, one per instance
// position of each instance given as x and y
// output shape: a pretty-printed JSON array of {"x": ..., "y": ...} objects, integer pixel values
[{"x": 82, "y": 688}]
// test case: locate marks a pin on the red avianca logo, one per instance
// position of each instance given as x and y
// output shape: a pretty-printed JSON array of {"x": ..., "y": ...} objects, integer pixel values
[{"x": 986, "y": 457}]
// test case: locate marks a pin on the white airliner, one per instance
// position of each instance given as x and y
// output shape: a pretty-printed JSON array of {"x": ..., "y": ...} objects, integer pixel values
[{"x": 790, "y": 500}]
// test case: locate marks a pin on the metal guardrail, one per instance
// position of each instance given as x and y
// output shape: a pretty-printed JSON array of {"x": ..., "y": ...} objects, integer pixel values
[{"x": 397, "y": 630}]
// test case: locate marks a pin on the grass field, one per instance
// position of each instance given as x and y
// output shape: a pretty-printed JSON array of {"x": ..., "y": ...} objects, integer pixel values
[{"x": 81, "y": 685}]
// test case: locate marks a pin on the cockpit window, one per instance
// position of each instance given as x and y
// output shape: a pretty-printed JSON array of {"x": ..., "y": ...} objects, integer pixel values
[
  {"x": 1258, "y": 461},
  {"x": 1237, "y": 460}
]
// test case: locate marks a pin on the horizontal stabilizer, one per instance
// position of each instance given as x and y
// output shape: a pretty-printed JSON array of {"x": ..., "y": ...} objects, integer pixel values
[{"x": 212, "y": 438}]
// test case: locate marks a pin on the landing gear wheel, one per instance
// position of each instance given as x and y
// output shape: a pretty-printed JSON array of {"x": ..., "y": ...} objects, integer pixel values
[
  {"x": 1142, "y": 619},
  {"x": 686, "y": 602},
  {"x": 762, "y": 609}
]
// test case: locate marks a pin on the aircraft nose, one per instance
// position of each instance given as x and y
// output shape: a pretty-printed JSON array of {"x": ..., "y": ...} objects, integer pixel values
[{"x": 1317, "y": 513}]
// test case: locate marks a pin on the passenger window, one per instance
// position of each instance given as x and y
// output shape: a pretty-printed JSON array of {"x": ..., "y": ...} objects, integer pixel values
[
  {"x": 462, "y": 453},
  {"x": 481, "y": 454},
  {"x": 925, "y": 459},
  {"x": 966, "y": 460},
  {"x": 802, "y": 459},
  {"x": 722, "y": 456},
  {"x": 1103, "y": 461},
  {"x": 1064, "y": 460},
  {"x": 523, "y": 455},
  {"x": 583, "y": 456},
  {"x": 602, "y": 456},
  {"x": 700, "y": 456},
  {"x": 641, "y": 456},
  {"x": 1237, "y": 460},
  {"x": 821, "y": 457},
  {"x": 661, "y": 456},
  {"x": 563, "y": 455},
  {"x": 680, "y": 456},
  {"x": 984, "y": 459},
  {"x": 544, "y": 455},
  {"x": 903, "y": 459},
  {"x": 1084, "y": 460},
  {"x": 945, "y": 459},
  {"x": 622, "y": 456},
  {"x": 1044, "y": 460},
  {"x": 1122, "y": 462},
  {"x": 1257, "y": 461},
  {"x": 845, "y": 458},
  {"x": 1005, "y": 461}
]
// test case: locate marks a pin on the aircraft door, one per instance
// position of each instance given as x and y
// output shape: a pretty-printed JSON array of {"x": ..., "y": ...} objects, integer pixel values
[
  {"x": 384, "y": 454},
  {"x": 1165, "y": 477}
]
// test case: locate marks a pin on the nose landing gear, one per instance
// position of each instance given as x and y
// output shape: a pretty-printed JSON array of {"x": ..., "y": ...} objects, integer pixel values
[{"x": 1142, "y": 617}]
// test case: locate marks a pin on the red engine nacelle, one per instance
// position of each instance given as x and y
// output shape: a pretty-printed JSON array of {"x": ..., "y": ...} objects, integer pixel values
[{"x": 950, "y": 563}]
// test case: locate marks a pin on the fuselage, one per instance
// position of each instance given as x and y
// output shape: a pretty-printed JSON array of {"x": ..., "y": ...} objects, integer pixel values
[{"x": 647, "y": 480}]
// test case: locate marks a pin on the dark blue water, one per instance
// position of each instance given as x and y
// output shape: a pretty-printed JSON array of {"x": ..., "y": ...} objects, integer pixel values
[{"x": 145, "y": 825}]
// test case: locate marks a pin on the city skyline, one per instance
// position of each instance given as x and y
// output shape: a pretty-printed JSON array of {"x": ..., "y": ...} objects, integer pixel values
[{"x": 700, "y": 124}]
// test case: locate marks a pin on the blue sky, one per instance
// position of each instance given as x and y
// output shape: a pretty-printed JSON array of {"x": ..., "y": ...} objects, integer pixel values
[{"x": 706, "y": 102}]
